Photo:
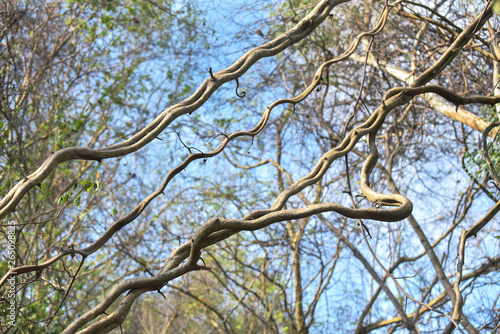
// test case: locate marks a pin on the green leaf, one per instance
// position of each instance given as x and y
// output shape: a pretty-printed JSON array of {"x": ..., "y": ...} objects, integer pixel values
[
  {"x": 77, "y": 200},
  {"x": 63, "y": 199}
]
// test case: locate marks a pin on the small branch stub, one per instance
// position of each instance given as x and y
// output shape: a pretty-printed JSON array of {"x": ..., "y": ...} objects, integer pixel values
[{"x": 211, "y": 74}]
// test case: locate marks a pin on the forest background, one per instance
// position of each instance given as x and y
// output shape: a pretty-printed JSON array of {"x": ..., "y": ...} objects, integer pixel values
[{"x": 249, "y": 167}]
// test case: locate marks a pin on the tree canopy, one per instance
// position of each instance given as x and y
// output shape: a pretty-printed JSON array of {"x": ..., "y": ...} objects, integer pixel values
[{"x": 296, "y": 166}]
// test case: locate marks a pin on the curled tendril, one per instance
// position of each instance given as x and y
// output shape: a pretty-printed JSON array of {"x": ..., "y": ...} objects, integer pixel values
[
  {"x": 494, "y": 184},
  {"x": 248, "y": 149},
  {"x": 318, "y": 89},
  {"x": 243, "y": 93},
  {"x": 190, "y": 148},
  {"x": 217, "y": 135}
]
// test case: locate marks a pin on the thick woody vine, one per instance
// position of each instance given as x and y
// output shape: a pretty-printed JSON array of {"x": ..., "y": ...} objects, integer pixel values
[{"x": 186, "y": 257}]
